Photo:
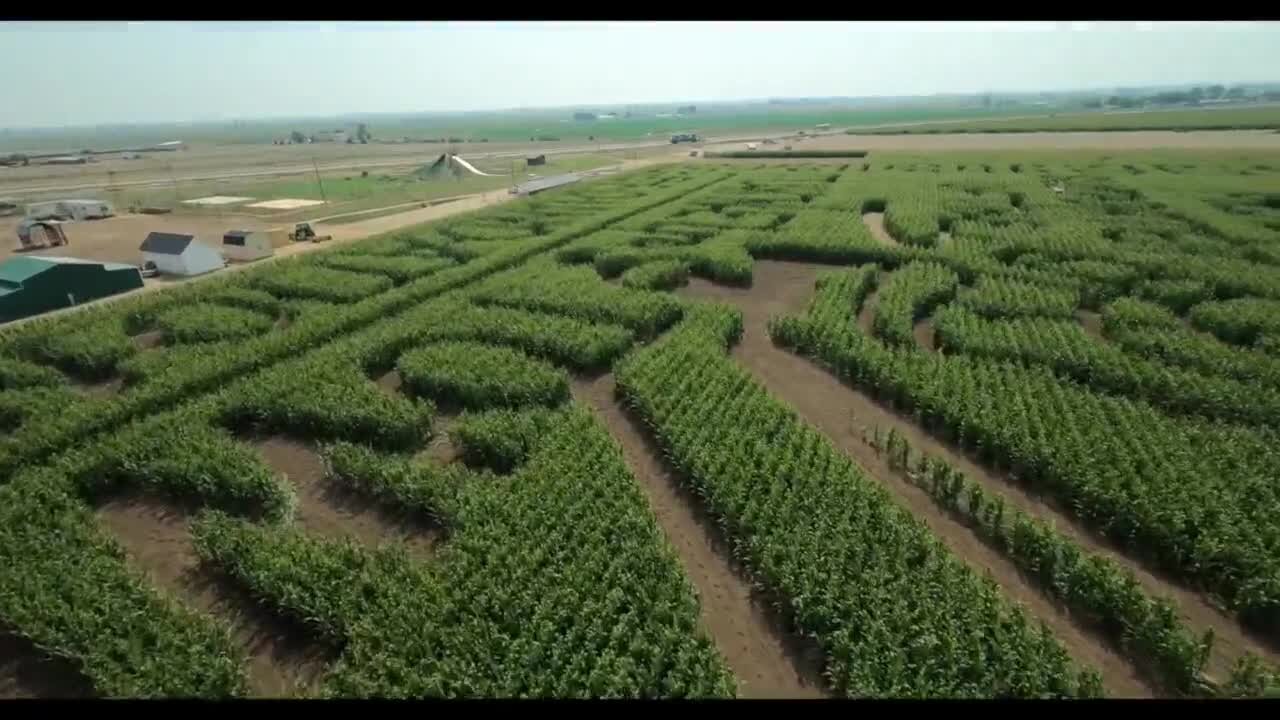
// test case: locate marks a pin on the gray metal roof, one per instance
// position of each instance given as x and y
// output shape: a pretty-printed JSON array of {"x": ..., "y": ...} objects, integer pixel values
[
  {"x": 547, "y": 183},
  {"x": 166, "y": 243}
]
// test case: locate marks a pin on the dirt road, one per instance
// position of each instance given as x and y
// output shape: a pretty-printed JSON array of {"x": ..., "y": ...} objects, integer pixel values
[{"x": 123, "y": 235}]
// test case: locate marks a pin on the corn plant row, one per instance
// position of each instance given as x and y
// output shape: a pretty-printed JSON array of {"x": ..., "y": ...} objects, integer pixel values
[
  {"x": 1182, "y": 347},
  {"x": 557, "y": 583},
  {"x": 207, "y": 322},
  {"x": 1197, "y": 498},
  {"x": 400, "y": 269},
  {"x": 1098, "y": 589},
  {"x": 909, "y": 295},
  {"x": 894, "y": 613},
  {"x": 475, "y": 375},
  {"x": 577, "y": 292},
  {"x": 500, "y": 439},
  {"x": 1000, "y": 297},
  {"x": 206, "y": 371},
  {"x": 68, "y": 591},
  {"x": 657, "y": 275},
  {"x": 1064, "y": 347},
  {"x": 1242, "y": 321}
]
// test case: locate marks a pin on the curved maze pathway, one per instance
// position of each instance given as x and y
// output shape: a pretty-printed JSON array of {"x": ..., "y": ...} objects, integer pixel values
[{"x": 785, "y": 288}]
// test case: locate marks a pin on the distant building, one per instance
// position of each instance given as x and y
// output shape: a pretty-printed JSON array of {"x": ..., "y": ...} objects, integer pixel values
[
  {"x": 687, "y": 110},
  {"x": 341, "y": 137},
  {"x": 31, "y": 285},
  {"x": 176, "y": 254},
  {"x": 536, "y": 160},
  {"x": 70, "y": 210},
  {"x": 246, "y": 245},
  {"x": 584, "y": 116},
  {"x": 536, "y": 186}
]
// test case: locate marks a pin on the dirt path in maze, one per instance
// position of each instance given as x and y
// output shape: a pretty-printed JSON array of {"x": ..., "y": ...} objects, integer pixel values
[
  {"x": 328, "y": 510},
  {"x": 766, "y": 660},
  {"x": 830, "y": 407},
  {"x": 813, "y": 391},
  {"x": 282, "y": 659},
  {"x": 875, "y": 223},
  {"x": 27, "y": 673},
  {"x": 1091, "y": 322}
]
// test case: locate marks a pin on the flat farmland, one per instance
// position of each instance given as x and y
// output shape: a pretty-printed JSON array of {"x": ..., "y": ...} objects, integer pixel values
[{"x": 994, "y": 423}]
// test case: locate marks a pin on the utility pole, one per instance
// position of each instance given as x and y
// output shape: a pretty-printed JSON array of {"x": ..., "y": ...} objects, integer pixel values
[
  {"x": 319, "y": 181},
  {"x": 176, "y": 198}
]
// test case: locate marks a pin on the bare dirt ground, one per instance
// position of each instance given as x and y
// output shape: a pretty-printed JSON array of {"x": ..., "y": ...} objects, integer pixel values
[
  {"x": 766, "y": 660},
  {"x": 120, "y": 245},
  {"x": 28, "y": 673},
  {"x": 329, "y": 511},
  {"x": 203, "y": 164},
  {"x": 1139, "y": 140},
  {"x": 875, "y": 223},
  {"x": 441, "y": 449},
  {"x": 867, "y": 313},
  {"x": 283, "y": 660},
  {"x": 1091, "y": 322},
  {"x": 116, "y": 239},
  {"x": 811, "y": 389},
  {"x": 828, "y": 404},
  {"x": 923, "y": 333}
]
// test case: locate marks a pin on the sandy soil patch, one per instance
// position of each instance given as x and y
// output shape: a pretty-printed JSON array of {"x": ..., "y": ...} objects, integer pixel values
[
  {"x": 116, "y": 239},
  {"x": 217, "y": 200},
  {"x": 285, "y": 204}
]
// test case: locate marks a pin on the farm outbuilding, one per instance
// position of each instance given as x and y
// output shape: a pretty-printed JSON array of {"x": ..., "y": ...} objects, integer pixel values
[
  {"x": 32, "y": 285},
  {"x": 247, "y": 245},
  {"x": 175, "y": 254},
  {"x": 541, "y": 184},
  {"x": 70, "y": 210}
]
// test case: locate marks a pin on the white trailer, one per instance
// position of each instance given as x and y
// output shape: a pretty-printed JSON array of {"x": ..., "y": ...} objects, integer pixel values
[{"x": 70, "y": 210}]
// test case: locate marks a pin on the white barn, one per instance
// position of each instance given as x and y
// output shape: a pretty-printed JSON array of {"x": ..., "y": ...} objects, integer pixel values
[
  {"x": 247, "y": 245},
  {"x": 176, "y": 254}
]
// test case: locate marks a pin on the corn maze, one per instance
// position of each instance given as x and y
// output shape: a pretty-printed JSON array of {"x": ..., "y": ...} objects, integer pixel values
[{"x": 380, "y": 469}]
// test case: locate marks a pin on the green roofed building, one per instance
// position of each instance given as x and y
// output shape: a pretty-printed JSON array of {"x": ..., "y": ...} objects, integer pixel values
[{"x": 36, "y": 284}]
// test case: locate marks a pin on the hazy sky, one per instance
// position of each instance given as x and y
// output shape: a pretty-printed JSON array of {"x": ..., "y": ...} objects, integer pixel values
[{"x": 85, "y": 73}]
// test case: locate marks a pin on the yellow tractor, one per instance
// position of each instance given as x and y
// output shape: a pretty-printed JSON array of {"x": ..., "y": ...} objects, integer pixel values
[{"x": 302, "y": 232}]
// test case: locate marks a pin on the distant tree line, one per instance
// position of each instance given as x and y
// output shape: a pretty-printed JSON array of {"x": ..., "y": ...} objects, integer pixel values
[{"x": 1194, "y": 96}]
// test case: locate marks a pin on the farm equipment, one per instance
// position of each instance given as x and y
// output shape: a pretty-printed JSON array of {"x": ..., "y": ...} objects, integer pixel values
[
  {"x": 36, "y": 234},
  {"x": 303, "y": 233}
]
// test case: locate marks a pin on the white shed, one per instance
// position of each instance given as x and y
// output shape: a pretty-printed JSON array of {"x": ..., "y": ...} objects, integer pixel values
[
  {"x": 176, "y": 254},
  {"x": 246, "y": 245}
]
